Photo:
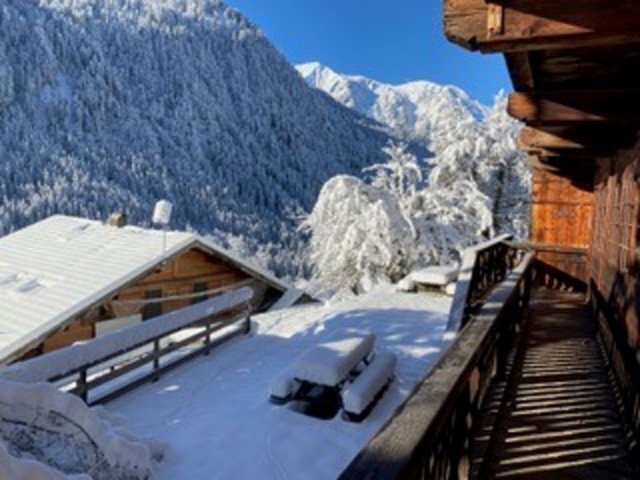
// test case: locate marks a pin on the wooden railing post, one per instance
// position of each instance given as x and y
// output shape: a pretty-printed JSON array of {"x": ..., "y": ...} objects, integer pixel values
[
  {"x": 156, "y": 359},
  {"x": 81, "y": 385},
  {"x": 247, "y": 330},
  {"x": 207, "y": 338}
]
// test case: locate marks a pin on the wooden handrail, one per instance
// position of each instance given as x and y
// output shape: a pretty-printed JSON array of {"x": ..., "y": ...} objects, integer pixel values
[
  {"x": 91, "y": 365},
  {"x": 429, "y": 435},
  {"x": 483, "y": 267},
  {"x": 547, "y": 247}
]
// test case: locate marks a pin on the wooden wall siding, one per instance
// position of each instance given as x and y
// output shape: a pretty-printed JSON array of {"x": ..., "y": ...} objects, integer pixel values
[
  {"x": 614, "y": 270},
  {"x": 613, "y": 259},
  {"x": 561, "y": 211},
  {"x": 76, "y": 331},
  {"x": 178, "y": 276}
]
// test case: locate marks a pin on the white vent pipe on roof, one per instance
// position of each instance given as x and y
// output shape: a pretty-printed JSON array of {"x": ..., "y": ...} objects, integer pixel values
[
  {"x": 162, "y": 212},
  {"x": 162, "y": 216}
]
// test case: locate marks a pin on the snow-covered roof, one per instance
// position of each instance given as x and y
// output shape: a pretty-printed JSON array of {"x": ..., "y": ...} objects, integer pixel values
[{"x": 54, "y": 269}]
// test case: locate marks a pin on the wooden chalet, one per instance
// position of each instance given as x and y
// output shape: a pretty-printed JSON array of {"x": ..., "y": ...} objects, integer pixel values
[
  {"x": 67, "y": 279},
  {"x": 547, "y": 388}
]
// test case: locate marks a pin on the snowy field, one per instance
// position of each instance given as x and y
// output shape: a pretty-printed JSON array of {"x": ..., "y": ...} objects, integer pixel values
[{"x": 214, "y": 412}]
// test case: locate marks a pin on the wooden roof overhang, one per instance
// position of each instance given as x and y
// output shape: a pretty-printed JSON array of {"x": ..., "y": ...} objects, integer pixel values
[{"x": 575, "y": 67}]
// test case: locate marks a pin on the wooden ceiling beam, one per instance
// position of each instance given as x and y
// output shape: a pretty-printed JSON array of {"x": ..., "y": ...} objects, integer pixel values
[
  {"x": 580, "y": 171},
  {"x": 532, "y": 138},
  {"x": 572, "y": 155},
  {"x": 519, "y": 25},
  {"x": 597, "y": 142},
  {"x": 576, "y": 107},
  {"x": 521, "y": 70}
]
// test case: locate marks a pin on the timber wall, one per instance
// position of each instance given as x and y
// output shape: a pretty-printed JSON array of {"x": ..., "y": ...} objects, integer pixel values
[
  {"x": 561, "y": 211},
  {"x": 614, "y": 270},
  {"x": 189, "y": 272}
]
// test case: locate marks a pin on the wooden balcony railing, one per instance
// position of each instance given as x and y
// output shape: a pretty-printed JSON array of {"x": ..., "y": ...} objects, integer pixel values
[
  {"x": 483, "y": 267},
  {"x": 430, "y": 434},
  {"x": 112, "y": 365}
]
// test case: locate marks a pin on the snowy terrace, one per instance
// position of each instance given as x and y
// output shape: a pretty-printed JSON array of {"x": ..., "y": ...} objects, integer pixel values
[{"x": 214, "y": 412}]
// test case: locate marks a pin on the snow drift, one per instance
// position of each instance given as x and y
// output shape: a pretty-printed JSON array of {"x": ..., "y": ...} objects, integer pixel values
[{"x": 44, "y": 430}]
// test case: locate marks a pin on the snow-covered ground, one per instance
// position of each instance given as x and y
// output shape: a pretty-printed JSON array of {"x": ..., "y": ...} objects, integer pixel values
[{"x": 214, "y": 413}]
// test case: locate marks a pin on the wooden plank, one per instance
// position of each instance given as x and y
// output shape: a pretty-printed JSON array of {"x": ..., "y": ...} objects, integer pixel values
[
  {"x": 541, "y": 24},
  {"x": 558, "y": 357},
  {"x": 576, "y": 107}
]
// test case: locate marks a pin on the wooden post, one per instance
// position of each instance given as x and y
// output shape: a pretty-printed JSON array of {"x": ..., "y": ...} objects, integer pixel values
[
  {"x": 207, "y": 338},
  {"x": 81, "y": 385},
  {"x": 156, "y": 359},
  {"x": 247, "y": 330}
]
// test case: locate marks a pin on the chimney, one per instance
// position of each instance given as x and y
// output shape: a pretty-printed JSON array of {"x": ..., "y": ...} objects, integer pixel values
[{"x": 117, "y": 219}]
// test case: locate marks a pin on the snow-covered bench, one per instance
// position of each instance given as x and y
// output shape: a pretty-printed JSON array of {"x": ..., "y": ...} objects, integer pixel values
[
  {"x": 329, "y": 363},
  {"x": 283, "y": 388},
  {"x": 359, "y": 397}
]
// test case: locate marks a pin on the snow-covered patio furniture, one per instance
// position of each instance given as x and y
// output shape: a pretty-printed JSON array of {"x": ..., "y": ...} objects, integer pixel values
[
  {"x": 340, "y": 373},
  {"x": 360, "y": 396},
  {"x": 330, "y": 363},
  {"x": 434, "y": 277}
]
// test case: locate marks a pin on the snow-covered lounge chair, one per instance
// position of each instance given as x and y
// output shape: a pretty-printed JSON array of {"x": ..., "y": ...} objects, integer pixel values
[
  {"x": 330, "y": 363},
  {"x": 359, "y": 397}
]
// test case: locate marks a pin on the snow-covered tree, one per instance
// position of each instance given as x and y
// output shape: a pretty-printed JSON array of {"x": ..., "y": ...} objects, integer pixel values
[
  {"x": 401, "y": 174},
  {"x": 477, "y": 185},
  {"x": 359, "y": 235}
]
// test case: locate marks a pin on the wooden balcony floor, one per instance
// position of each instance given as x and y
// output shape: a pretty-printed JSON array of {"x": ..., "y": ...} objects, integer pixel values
[{"x": 560, "y": 416}]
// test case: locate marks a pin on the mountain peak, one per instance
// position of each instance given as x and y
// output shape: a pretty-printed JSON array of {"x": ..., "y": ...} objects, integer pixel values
[{"x": 416, "y": 110}]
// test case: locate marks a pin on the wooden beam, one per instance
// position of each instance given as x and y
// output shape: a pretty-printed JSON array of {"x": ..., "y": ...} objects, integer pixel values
[
  {"x": 573, "y": 155},
  {"x": 574, "y": 143},
  {"x": 576, "y": 107},
  {"x": 576, "y": 138},
  {"x": 532, "y": 138},
  {"x": 521, "y": 70},
  {"x": 541, "y": 24}
]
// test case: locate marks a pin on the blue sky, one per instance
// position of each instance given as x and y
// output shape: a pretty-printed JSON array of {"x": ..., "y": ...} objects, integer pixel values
[{"x": 392, "y": 42}]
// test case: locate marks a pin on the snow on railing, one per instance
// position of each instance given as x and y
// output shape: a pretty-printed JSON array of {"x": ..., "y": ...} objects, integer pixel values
[
  {"x": 79, "y": 359},
  {"x": 483, "y": 266}
]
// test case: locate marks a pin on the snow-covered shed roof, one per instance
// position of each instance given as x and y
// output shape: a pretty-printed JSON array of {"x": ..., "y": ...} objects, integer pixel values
[{"x": 54, "y": 269}]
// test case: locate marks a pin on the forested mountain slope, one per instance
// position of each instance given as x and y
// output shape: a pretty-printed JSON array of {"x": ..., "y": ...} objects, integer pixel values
[{"x": 113, "y": 104}]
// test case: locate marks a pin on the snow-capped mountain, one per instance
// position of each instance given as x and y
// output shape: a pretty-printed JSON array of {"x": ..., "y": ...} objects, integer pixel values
[
  {"x": 417, "y": 110},
  {"x": 110, "y": 106}
]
